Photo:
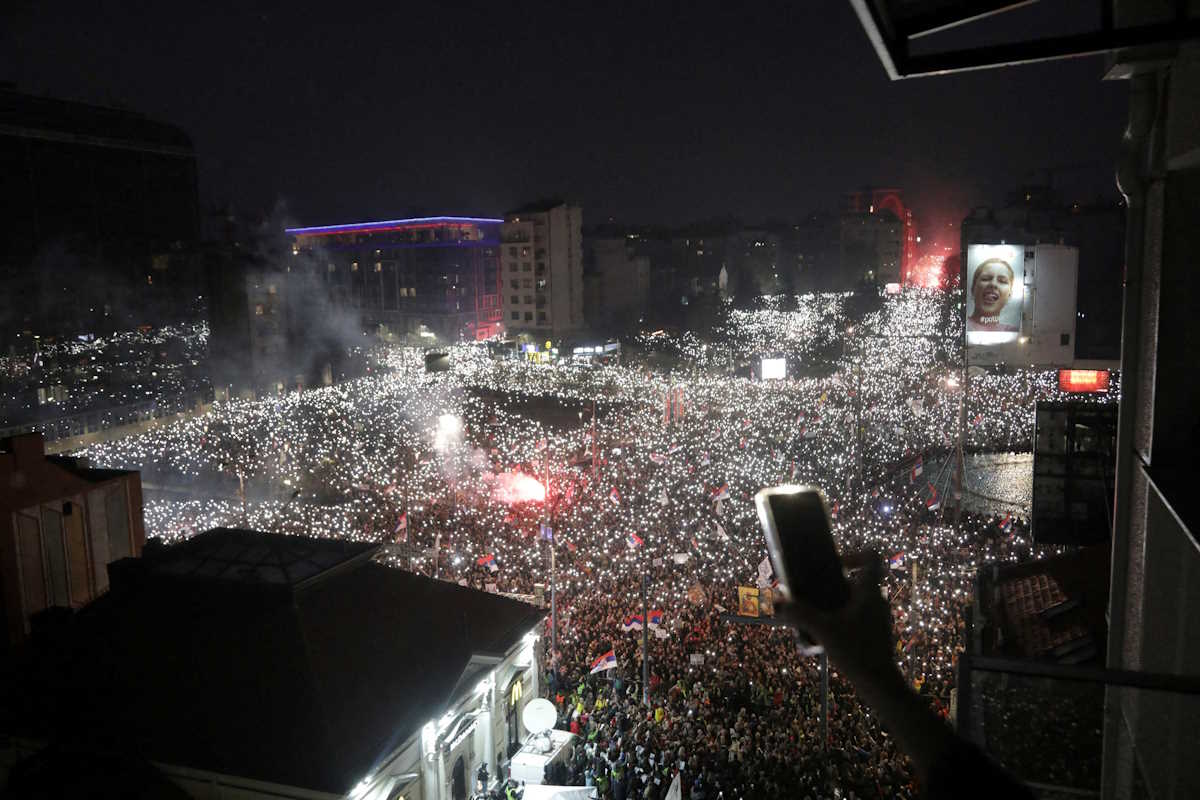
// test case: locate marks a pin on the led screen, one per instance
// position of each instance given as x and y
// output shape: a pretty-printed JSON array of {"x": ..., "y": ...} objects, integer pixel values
[
  {"x": 995, "y": 293},
  {"x": 774, "y": 369}
]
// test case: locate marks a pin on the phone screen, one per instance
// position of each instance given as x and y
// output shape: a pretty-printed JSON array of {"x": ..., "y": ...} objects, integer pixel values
[{"x": 802, "y": 549}]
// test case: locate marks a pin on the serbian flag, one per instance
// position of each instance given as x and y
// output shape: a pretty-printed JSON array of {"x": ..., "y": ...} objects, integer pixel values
[
  {"x": 540, "y": 446},
  {"x": 658, "y": 458},
  {"x": 634, "y": 540},
  {"x": 721, "y": 492},
  {"x": 918, "y": 469},
  {"x": 656, "y": 618},
  {"x": 605, "y": 662},
  {"x": 1006, "y": 524},
  {"x": 401, "y": 529},
  {"x": 488, "y": 561},
  {"x": 705, "y": 460},
  {"x": 833, "y": 512},
  {"x": 897, "y": 561},
  {"x": 632, "y": 623},
  {"x": 933, "y": 502}
]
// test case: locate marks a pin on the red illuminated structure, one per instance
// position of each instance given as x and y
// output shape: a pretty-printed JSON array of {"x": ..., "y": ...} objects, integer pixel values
[{"x": 1083, "y": 381}]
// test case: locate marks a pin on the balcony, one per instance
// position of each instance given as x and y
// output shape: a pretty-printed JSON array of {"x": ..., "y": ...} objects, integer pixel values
[{"x": 1076, "y": 731}]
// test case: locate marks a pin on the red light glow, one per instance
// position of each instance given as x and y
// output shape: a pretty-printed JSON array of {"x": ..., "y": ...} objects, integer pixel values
[{"x": 517, "y": 487}]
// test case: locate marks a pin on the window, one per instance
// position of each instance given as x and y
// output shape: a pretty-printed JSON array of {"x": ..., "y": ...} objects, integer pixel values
[
  {"x": 516, "y": 315},
  {"x": 512, "y": 251},
  {"x": 512, "y": 266},
  {"x": 525, "y": 266},
  {"x": 529, "y": 316},
  {"x": 1064, "y": 339},
  {"x": 354, "y": 266},
  {"x": 525, "y": 252},
  {"x": 404, "y": 291},
  {"x": 516, "y": 284},
  {"x": 541, "y": 285},
  {"x": 515, "y": 300},
  {"x": 271, "y": 289},
  {"x": 258, "y": 310},
  {"x": 330, "y": 268},
  {"x": 541, "y": 316},
  {"x": 527, "y": 283},
  {"x": 378, "y": 266},
  {"x": 412, "y": 291},
  {"x": 528, "y": 299}
]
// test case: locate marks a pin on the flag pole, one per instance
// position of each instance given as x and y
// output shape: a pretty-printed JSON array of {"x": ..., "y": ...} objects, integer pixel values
[
  {"x": 645, "y": 636},
  {"x": 553, "y": 572}
]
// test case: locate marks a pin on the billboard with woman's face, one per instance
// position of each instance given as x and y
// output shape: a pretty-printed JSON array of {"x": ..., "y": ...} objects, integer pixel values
[{"x": 995, "y": 292}]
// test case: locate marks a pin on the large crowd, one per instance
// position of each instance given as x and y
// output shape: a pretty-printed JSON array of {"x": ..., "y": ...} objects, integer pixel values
[{"x": 627, "y": 470}]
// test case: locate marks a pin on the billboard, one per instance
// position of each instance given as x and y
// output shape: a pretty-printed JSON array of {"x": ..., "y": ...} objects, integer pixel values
[
  {"x": 995, "y": 293},
  {"x": 1083, "y": 381},
  {"x": 774, "y": 369}
]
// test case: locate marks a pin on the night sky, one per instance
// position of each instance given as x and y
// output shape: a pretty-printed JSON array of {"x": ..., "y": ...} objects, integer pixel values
[{"x": 654, "y": 112}]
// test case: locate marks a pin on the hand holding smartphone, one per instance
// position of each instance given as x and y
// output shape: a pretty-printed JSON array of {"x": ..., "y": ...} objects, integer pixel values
[{"x": 799, "y": 533}]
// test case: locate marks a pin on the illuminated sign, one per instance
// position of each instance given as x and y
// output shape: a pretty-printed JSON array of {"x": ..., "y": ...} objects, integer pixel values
[
  {"x": 995, "y": 293},
  {"x": 1077, "y": 381},
  {"x": 774, "y": 369},
  {"x": 891, "y": 288}
]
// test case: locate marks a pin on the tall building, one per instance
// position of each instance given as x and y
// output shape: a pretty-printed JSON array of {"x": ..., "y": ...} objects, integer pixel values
[
  {"x": 542, "y": 278},
  {"x": 878, "y": 239},
  {"x": 100, "y": 212},
  {"x": 618, "y": 280},
  {"x": 61, "y": 525},
  {"x": 426, "y": 276}
]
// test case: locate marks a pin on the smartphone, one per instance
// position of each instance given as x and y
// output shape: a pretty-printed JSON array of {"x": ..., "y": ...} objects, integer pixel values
[{"x": 795, "y": 521}]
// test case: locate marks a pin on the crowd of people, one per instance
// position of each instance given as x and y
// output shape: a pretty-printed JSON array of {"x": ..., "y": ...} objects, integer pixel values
[{"x": 626, "y": 471}]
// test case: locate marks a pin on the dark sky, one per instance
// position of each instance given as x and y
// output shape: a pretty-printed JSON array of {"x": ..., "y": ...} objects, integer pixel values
[{"x": 652, "y": 112}]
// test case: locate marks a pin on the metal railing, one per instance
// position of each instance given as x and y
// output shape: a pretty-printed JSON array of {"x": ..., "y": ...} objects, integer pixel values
[{"x": 1047, "y": 722}]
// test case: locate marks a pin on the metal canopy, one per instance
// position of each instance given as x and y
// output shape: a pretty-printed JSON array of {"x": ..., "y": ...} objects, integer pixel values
[{"x": 892, "y": 24}]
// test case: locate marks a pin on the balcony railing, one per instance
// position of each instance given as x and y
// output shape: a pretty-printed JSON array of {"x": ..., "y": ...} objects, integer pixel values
[{"x": 1072, "y": 731}]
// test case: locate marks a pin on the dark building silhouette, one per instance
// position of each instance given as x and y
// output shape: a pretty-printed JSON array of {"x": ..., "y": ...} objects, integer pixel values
[{"x": 100, "y": 215}]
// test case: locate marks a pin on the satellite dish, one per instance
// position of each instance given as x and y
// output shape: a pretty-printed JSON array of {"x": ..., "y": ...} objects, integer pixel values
[{"x": 539, "y": 715}]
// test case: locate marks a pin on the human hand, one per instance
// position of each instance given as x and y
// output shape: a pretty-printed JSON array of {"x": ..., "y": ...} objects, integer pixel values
[{"x": 858, "y": 637}]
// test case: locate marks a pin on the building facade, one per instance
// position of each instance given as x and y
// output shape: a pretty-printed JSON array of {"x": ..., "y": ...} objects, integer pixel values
[
  {"x": 618, "y": 282},
  {"x": 431, "y": 277},
  {"x": 100, "y": 210},
  {"x": 878, "y": 238},
  {"x": 61, "y": 525},
  {"x": 542, "y": 277}
]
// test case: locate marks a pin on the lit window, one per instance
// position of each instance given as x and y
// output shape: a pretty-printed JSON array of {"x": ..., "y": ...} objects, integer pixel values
[
  {"x": 258, "y": 310},
  {"x": 378, "y": 267},
  {"x": 354, "y": 266},
  {"x": 271, "y": 289}
]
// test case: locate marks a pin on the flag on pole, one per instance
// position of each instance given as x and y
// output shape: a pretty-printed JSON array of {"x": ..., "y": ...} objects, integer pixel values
[
  {"x": 634, "y": 541},
  {"x": 615, "y": 496},
  {"x": 918, "y": 469},
  {"x": 605, "y": 662},
  {"x": 632, "y": 623},
  {"x": 897, "y": 561},
  {"x": 656, "y": 619},
  {"x": 704, "y": 459},
  {"x": 541, "y": 445},
  {"x": 1006, "y": 524},
  {"x": 721, "y": 532},
  {"x": 400, "y": 532},
  {"x": 658, "y": 458},
  {"x": 721, "y": 492},
  {"x": 933, "y": 502},
  {"x": 834, "y": 511},
  {"x": 488, "y": 561}
]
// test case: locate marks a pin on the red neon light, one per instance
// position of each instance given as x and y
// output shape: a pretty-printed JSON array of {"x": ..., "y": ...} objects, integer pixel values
[{"x": 1075, "y": 381}]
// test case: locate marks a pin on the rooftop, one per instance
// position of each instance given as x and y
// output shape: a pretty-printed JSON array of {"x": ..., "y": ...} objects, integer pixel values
[
  {"x": 389, "y": 225},
  {"x": 284, "y": 659}
]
